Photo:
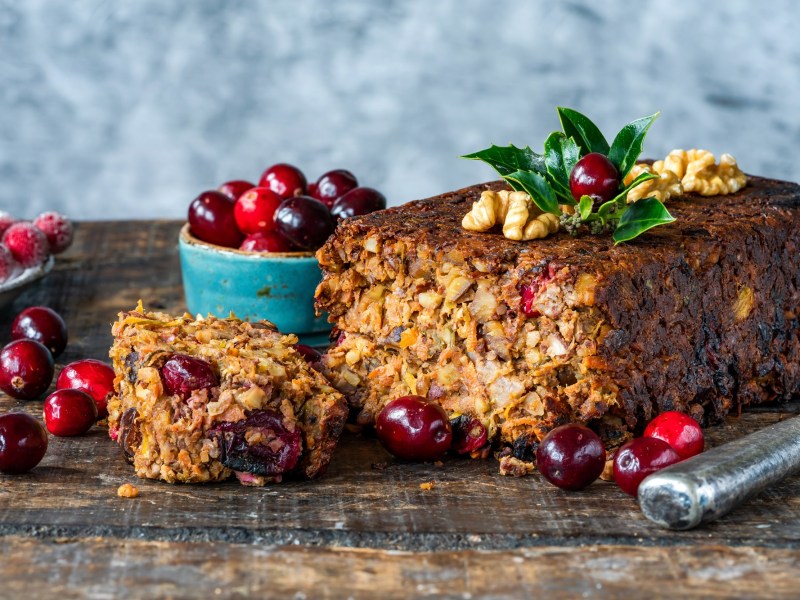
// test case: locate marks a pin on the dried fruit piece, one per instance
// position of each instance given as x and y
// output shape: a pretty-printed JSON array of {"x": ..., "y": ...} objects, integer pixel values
[
  {"x": 184, "y": 374},
  {"x": 469, "y": 434},
  {"x": 260, "y": 444}
]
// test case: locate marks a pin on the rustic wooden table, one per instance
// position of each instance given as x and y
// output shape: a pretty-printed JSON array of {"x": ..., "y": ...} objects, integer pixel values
[{"x": 359, "y": 529}]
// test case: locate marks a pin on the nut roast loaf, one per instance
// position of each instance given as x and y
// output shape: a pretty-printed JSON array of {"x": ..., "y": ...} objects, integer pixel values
[{"x": 701, "y": 316}]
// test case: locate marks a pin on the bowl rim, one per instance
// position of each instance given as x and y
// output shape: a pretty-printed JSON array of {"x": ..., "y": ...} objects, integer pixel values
[
  {"x": 29, "y": 275},
  {"x": 188, "y": 239}
]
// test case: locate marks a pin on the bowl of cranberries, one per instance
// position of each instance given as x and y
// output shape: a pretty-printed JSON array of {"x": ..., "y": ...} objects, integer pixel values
[
  {"x": 27, "y": 250},
  {"x": 250, "y": 248}
]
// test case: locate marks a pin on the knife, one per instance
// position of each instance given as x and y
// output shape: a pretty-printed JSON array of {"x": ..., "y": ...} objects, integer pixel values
[{"x": 709, "y": 485}]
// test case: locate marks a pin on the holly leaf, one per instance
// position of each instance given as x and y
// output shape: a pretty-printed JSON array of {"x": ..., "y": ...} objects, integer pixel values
[
  {"x": 509, "y": 159},
  {"x": 585, "y": 133},
  {"x": 627, "y": 146},
  {"x": 538, "y": 188},
  {"x": 585, "y": 207},
  {"x": 554, "y": 162},
  {"x": 640, "y": 216}
]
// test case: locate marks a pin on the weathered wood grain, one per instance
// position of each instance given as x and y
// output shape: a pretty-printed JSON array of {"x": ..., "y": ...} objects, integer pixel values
[
  {"x": 101, "y": 568},
  {"x": 494, "y": 536}
]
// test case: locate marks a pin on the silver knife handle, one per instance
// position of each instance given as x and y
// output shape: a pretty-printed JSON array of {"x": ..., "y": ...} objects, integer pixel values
[{"x": 709, "y": 485}]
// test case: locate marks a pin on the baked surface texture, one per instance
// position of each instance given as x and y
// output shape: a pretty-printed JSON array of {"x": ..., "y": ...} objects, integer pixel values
[
  {"x": 701, "y": 316},
  {"x": 270, "y": 416}
]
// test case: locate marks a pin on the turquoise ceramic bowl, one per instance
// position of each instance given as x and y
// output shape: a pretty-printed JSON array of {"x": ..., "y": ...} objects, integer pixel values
[{"x": 278, "y": 287}]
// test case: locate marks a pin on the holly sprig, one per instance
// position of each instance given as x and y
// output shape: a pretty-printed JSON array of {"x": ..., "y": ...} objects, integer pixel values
[{"x": 545, "y": 177}]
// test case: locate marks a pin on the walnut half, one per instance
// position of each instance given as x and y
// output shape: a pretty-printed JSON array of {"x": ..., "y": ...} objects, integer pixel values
[{"x": 520, "y": 218}]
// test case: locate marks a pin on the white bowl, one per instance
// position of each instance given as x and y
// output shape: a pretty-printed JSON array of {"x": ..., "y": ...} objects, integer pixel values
[{"x": 9, "y": 290}]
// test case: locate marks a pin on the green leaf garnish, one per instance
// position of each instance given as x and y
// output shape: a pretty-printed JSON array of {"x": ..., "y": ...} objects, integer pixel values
[
  {"x": 585, "y": 133},
  {"x": 537, "y": 188},
  {"x": 627, "y": 146},
  {"x": 640, "y": 216},
  {"x": 546, "y": 177},
  {"x": 585, "y": 207},
  {"x": 508, "y": 159}
]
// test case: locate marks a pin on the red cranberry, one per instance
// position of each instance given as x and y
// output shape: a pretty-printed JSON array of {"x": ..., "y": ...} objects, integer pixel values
[
  {"x": 333, "y": 185},
  {"x": 285, "y": 180},
  {"x": 305, "y": 222},
  {"x": 595, "y": 176},
  {"x": 234, "y": 189},
  {"x": 23, "y": 442},
  {"x": 268, "y": 241},
  {"x": 412, "y": 428},
  {"x": 310, "y": 354},
  {"x": 639, "y": 458},
  {"x": 43, "y": 325},
  {"x": 211, "y": 220},
  {"x": 274, "y": 451},
  {"x": 469, "y": 435},
  {"x": 530, "y": 291},
  {"x": 57, "y": 229},
  {"x": 255, "y": 209},
  {"x": 69, "y": 412},
  {"x": 27, "y": 244},
  {"x": 358, "y": 201},
  {"x": 571, "y": 457},
  {"x": 91, "y": 376},
  {"x": 26, "y": 369},
  {"x": 680, "y": 431},
  {"x": 6, "y": 221},
  {"x": 9, "y": 267},
  {"x": 184, "y": 374}
]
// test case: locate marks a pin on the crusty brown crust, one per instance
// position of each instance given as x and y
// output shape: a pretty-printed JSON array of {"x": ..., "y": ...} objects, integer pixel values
[
  {"x": 702, "y": 315},
  {"x": 260, "y": 373}
]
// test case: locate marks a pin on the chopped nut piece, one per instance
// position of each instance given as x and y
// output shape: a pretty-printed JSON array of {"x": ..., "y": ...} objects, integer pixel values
[
  {"x": 428, "y": 485},
  {"x": 744, "y": 304},
  {"x": 126, "y": 490}
]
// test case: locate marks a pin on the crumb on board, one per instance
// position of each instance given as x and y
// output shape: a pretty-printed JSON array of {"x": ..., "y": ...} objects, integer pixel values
[
  {"x": 127, "y": 490},
  {"x": 438, "y": 464},
  {"x": 511, "y": 466},
  {"x": 428, "y": 485}
]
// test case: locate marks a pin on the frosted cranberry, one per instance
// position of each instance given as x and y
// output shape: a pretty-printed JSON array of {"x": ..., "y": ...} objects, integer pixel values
[
  {"x": 595, "y": 176},
  {"x": 639, "y": 458},
  {"x": 23, "y": 442},
  {"x": 571, "y": 457},
  {"x": 211, "y": 220},
  {"x": 91, "y": 376},
  {"x": 69, "y": 412},
  {"x": 412, "y": 428},
  {"x": 285, "y": 180},
  {"x": 333, "y": 185},
  {"x": 680, "y": 431},
  {"x": 269, "y": 241},
  {"x": 27, "y": 244},
  {"x": 57, "y": 229},
  {"x": 310, "y": 354},
  {"x": 255, "y": 209},
  {"x": 183, "y": 375},
  {"x": 43, "y": 325},
  {"x": 358, "y": 201},
  {"x": 9, "y": 267},
  {"x": 469, "y": 434},
  {"x": 234, "y": 189},
  {"x": 6, "y": 221},
  {"x": 26, "y": 369},
  {"x": 261, "y": 444},
  {"x": 305, "y": 222}
]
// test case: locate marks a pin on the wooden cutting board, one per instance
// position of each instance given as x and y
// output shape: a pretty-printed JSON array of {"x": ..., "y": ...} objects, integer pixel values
[{"x": 366, "y": 525}]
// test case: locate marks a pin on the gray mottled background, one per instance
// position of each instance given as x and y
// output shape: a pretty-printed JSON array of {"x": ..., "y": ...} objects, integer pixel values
[{"x": 129, "y": 109}]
